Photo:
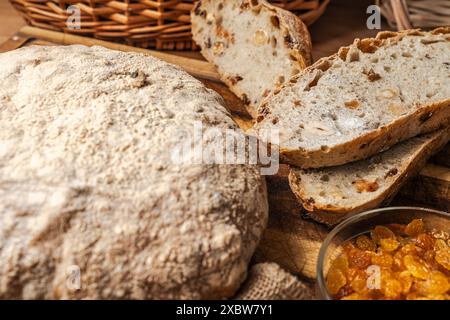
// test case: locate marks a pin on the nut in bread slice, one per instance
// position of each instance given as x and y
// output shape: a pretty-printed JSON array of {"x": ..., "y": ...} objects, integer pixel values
[
  {"x": 362, "y": 100},
  {"x": 255, "y": 46},
  {"x": 332, "y": 194}
]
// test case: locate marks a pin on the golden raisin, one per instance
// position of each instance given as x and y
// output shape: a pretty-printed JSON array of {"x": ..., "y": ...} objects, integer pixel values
[
  {"x": 359, "y": 282},
  {"x": 356, "y": 296},
  {"x": 398, "y": 261},
  {"x": 415, "y": 227},
  {"x": 365, "y": 243},
  {"x": 430, "y": 297},
  {"x": 341, "y": 263},
  {"x": 389, "y": 244},
  {"x": 391, "y": 288},
  {"x": 428, "y": 256},
  {"x": 347, "y": 247},
  {"x": 435, "y": 297},
  {"x": 380, "y": 232},
  {"x": 436, "y": 283},
  {"x": 441, "y": 245},
  {"x": 406, "y": 280},
  {"x": 411, "y": 249},
  {"x": 443, "y": 258},
  {"x": 335, "y": 280},
  {"x": 383, "y": 260},
  {"x": 412, "y": 296},
  {"x": 425, "y": 241},
  {"x": 343, "y": 292},
  {"x": 395, "y": 262},
  {"x": 359, "y": 259},
  {"x": 416, "y": 267},
  {"x": 352, "y": 273}
]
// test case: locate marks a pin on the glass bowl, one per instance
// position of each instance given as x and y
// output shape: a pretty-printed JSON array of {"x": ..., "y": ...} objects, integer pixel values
[{"x": 364, "y": 222}]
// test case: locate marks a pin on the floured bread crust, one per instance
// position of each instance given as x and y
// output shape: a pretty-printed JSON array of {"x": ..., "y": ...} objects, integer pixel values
[{"x": 88, "y": 181}]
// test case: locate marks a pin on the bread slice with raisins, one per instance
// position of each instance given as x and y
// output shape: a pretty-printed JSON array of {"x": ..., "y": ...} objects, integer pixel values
[
  {"x": 365, "y": 99},
  {"x": 255, "y": 46},
  {"x": 332, "y": 194}
]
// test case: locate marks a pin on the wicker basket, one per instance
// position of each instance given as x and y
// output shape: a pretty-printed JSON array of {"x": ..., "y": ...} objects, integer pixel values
[
  {"x": 160, "y": 24},
  {"x": 407, "y": 14}
]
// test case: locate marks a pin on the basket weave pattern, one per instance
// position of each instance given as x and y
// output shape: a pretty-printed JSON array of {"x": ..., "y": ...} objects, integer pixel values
[
  {"x": 407, "y": 14},
  {"x": 160, "y": 24}
]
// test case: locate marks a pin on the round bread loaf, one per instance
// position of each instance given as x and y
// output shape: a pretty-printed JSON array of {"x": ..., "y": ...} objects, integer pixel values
[{"x": 92, "y": 203}]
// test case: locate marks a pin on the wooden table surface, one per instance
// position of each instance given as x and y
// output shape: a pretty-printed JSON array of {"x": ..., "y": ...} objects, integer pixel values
[{"x": 10, "y": 20}]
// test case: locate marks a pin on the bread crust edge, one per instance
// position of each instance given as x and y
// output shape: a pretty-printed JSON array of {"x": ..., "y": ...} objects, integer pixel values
[
  {"x": 291, "y": 23},
  {"x": 334, "y": 215},
  {"x": 436, "y": 115}
]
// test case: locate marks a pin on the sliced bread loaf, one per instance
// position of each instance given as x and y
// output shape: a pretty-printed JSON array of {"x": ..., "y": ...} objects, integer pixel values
[
  {"x": 254, "y": 45},
  {"x": 331, "y": 194},
  {"x": 362, "y": 100}
]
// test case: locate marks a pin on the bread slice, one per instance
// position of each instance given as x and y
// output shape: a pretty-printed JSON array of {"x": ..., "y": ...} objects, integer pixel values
[
  {"x": 362, "y": 100},
  {"x": 254, "y": 45},
  {"x": 332, "y": 194}
]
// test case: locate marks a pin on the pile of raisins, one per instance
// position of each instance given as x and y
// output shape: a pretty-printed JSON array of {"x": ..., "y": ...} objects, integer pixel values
[{"x": 393, "y": 262}]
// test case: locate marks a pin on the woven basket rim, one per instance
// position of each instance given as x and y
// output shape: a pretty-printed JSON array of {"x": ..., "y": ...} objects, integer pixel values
[
  {"x": 409, "y": 14},
  {"x": 159, "y": 24}
]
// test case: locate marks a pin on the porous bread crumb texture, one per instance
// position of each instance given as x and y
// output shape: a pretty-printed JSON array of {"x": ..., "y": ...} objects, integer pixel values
[
  {"x": 332, "y": 194},
  {"x": 363, "y": 100},
  {"x": 255, "y": 46},
  {"x": 87, "y": 179},
  {"x": 268, "y": 281}
]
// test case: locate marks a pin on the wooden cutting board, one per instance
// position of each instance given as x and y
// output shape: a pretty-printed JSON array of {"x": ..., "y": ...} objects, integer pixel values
[{"x": 290, "y": 240}]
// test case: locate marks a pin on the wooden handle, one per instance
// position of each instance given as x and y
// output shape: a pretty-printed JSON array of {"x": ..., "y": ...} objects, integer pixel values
[
  {"x": 15, "y": 42},
  {"x": 197, "y": 68}
]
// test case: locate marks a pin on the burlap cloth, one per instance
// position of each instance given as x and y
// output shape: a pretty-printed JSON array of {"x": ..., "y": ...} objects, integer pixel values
[{"x": 268, "y": 281}]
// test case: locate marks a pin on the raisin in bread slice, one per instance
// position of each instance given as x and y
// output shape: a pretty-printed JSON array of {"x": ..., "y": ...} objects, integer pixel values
[
  {"x": 332, "y": 194},
  {"x": 255, "y": 46},
  {"x": 362, "y": 100}
]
